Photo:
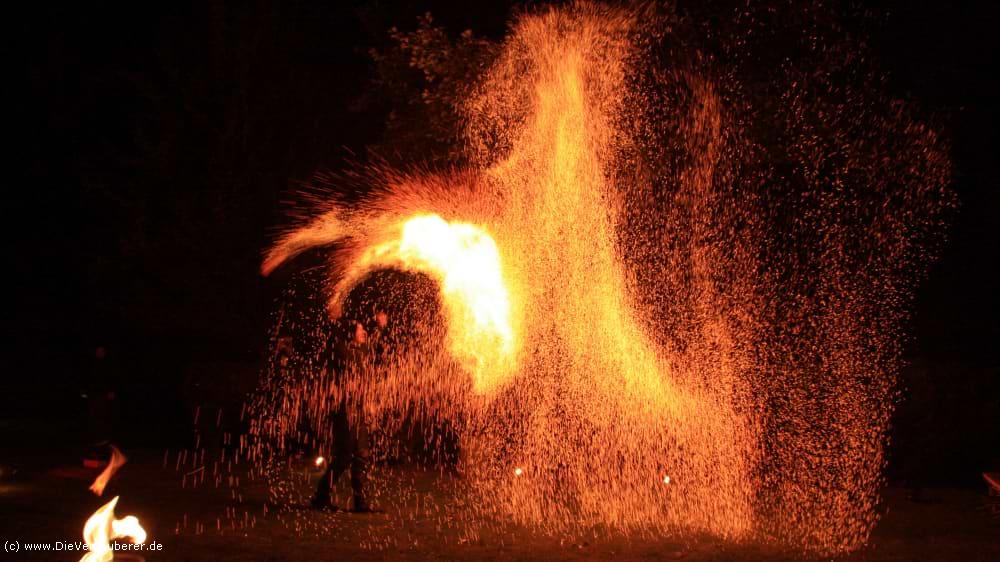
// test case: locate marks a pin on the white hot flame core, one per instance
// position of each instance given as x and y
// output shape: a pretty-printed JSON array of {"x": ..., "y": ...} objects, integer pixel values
[
  {"x": 102, "y": 528},
  {"x": 466, "y": 262}
]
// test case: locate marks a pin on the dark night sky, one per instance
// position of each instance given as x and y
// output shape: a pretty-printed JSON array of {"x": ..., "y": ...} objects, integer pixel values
[
  {"x": 940, "y": 55},
  {"x": 144, "y": 209}
]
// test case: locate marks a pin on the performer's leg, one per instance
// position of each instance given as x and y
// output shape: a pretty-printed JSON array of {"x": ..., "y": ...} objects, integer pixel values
[
  {"x": 343, "y": 448},
  {"x": 359, "y": 465}
]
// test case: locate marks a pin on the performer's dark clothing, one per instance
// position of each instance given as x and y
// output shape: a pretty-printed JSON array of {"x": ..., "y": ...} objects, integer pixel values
[
  {"x": 349, "y": 429},
  {"x": 351, "y": 450},
  {"x": 101, "y": 404}
]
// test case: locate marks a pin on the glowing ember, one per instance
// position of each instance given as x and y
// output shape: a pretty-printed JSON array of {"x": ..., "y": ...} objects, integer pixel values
[
  {"x": 116, "y": 462},
  {"x": 319, "y": 461},
  {"x": 102, "y": 528},
  {"x": 630, "y": 284}
]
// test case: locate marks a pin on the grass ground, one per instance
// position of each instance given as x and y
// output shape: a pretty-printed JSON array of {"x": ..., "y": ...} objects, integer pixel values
[{"x": 48, "y": 501}]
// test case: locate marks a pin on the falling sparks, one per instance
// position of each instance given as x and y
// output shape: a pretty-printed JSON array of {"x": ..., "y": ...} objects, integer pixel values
[
  {"x": 629, "y": 283},
  {"x": 102, "y": 528}
]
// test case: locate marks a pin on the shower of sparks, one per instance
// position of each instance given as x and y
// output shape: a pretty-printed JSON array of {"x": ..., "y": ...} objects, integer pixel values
[{"x": 628, "y": 286}]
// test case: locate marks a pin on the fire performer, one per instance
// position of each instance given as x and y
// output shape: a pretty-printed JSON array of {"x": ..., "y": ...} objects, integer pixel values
[
  {"x": 352, "y": 363},
  {"x": 100, "y": 393}
]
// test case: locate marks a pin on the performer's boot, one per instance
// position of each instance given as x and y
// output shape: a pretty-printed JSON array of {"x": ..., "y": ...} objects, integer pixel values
[{"x": 321, "y": 500}]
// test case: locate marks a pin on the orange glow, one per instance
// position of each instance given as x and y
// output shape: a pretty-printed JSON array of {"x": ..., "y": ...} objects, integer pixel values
[
  {"x": 622, "y": 298},
  {"x": 102, "y": 528},
  {"x": 116, "y": 462},
  {"x": 535, "y": 289},
  {"x": 319, "y": 461},
  {"x": 464, "y": 259}
]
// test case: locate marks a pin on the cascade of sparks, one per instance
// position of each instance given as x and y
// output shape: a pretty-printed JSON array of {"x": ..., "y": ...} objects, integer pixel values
[{"x": 623, "y": 302}]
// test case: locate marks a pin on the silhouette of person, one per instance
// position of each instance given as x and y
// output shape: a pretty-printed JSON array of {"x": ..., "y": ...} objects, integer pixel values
[{"x": 352, "y": 364}]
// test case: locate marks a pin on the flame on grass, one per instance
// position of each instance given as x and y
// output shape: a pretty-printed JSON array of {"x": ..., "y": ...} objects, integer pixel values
[{"x": 102, "y": 527}]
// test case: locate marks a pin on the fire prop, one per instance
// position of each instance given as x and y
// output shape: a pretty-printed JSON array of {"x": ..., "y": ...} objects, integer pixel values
[
  {"x": 116, "y": 462},
  {"x": 633, "y": 287},
  {"x": 102, "y": 528}
]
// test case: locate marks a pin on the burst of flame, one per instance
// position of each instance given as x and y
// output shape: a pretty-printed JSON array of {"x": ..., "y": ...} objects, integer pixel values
[
  {"x": 614, "y": 323},
  {"x": 464, "y": 259},
  {"x": 117, "y": 460},
  {"x": 102, "y": 528}
]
